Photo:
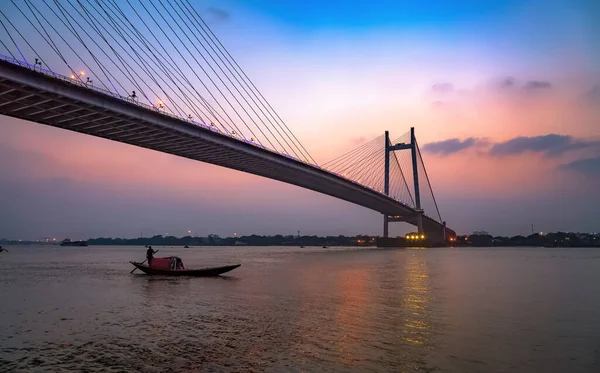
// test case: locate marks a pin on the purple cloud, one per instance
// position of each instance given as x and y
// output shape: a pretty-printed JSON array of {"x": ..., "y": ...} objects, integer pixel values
[
  {"x": 551, "y": 145},
  {"x": 588, "y": 166},
  {"x": 443, "y": 88},
  {"x": 593, "y": 95},
  {"x": 450, "y": 146},
  {"x": 536, "y": 86},
  {"x": 508, "y": 82}
]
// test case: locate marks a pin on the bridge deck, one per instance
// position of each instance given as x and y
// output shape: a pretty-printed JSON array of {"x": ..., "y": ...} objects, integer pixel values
[{"x": 35, "y": 96}]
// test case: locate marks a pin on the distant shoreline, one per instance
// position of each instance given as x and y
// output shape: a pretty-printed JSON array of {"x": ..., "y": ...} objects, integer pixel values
[{"x": 558, "y": 239}]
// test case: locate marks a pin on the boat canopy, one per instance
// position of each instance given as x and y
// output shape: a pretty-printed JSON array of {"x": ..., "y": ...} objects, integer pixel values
[{"x": 169, "y": 262}]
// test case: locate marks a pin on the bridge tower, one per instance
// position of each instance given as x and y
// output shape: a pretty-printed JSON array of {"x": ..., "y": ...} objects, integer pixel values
[{"x": 389, "y": 148}]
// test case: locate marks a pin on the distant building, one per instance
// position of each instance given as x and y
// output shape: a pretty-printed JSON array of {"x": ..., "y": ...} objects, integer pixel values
[{"x": 481, "y": 233}]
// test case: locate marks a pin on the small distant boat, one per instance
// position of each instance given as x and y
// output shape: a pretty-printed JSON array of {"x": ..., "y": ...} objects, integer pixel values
[
  {"x": 324, "y": 247},
  {"x": 173, "y": 266},
  {"x": 68, "y": 242}
]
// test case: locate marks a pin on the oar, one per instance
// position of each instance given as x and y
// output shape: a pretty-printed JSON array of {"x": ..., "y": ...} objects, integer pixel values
[{"x": 143, "y": 261}]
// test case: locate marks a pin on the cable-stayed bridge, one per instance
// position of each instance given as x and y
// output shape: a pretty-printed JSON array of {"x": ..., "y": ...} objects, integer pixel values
[{"x": 153, "y": 74}]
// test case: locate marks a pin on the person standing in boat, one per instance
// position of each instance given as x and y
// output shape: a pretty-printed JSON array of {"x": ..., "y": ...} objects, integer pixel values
[{"x": 150, "y": 254}]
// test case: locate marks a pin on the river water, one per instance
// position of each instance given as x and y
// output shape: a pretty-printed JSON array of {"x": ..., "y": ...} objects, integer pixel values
[{"x": 302, "y": 310}]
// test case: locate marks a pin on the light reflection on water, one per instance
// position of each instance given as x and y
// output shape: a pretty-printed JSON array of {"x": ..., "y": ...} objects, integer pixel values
[
  {"x": 351, "y": 316},
  {"x": 311, "y": 309},
  {"x": 416, "y": 301}
]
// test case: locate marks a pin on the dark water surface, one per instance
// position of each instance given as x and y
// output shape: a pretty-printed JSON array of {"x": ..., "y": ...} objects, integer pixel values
[{"x": 293, "y": 310}]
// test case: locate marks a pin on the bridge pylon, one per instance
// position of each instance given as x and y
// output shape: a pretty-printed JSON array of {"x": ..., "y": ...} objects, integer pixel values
[{"x": 389, "y": 148}]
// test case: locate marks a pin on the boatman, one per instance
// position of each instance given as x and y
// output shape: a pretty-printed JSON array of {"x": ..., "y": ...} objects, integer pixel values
[{"x": 150, "y": 254}]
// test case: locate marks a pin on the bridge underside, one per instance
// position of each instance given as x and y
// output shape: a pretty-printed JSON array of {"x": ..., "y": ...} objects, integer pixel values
[{"x": 37, "y": 97}]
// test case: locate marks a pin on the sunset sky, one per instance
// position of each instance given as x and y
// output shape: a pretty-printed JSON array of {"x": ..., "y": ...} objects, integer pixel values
[{"x": 504, "y": 97}]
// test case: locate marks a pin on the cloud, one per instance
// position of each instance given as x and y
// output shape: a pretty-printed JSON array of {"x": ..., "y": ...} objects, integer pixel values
[
  {"x": 439, "y": 104},
  {"x": 551, "y": 145},
  {"x": 536, "y": 86},
  {"x": 593, "y": 95},
  {"x": 358, "y": 140},
  {"x": 442, "y": 88},
  {"x": 220, "y": 14},
  {"x": 589, "y": 166},
  {"x": 450, "y": 146},
  {"x": 508, "y": 82}
]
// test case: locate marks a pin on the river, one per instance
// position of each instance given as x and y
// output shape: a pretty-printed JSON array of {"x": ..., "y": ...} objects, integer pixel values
[{"x": 291, "y": 309}]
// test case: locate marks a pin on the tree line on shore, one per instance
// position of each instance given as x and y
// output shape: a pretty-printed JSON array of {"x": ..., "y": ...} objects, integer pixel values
[
  {"x": 252, "y": 240},
  {"x": 558, "y": 239},
  {"x": 555, "y": 239}
]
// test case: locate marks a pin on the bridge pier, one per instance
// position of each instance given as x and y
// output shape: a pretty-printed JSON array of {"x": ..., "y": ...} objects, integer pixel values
[
  {"x": 444, "y": 231},
  {"x": 420, "y": 221},
  {"x": 385, "y": 225}
]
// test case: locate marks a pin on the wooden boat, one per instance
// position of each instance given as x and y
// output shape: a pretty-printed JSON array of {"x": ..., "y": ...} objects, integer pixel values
[{"x": 175, "y": 268}]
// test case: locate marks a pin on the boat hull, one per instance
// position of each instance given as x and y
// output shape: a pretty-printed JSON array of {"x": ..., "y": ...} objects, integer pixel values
[{"x": 204, "y": 272}]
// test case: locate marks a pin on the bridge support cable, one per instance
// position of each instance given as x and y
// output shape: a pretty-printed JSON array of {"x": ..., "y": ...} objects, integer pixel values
[
  {"x": 239, "y": 79},
  {"x": 228, "y": 98},
  {"x": 194, "y": 72},
  {"x": 429, "y": 190},
  {"x": 404, "y": 160},
  {"x": 351, "y": 154},
  {"x": 130, "y": 34},
  {"x": 343, "y": 165},
  {"x": 125, "y": 69},
  {"x": 74, "y": 74},
  {"x": 228, "y": 76},
  {"x": 366, "y": 165},
  {"x": 243, "y": 76},
  {"x": 179, "y": 77},
  {"x": 409, "y": 200},
  {"x": 357, "y": 171},
  {"x": 105, "y": 71},
  {"x": 232, "y": 95},
  {"x": 203, "y": 81},
  {"x": 398, "y": 186},
  {"x": 218, "y": 76},
  {"x": 75, "y": 33},
  {"x": 133, "y": 54},
  {"x": 11, "y": 38}
]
